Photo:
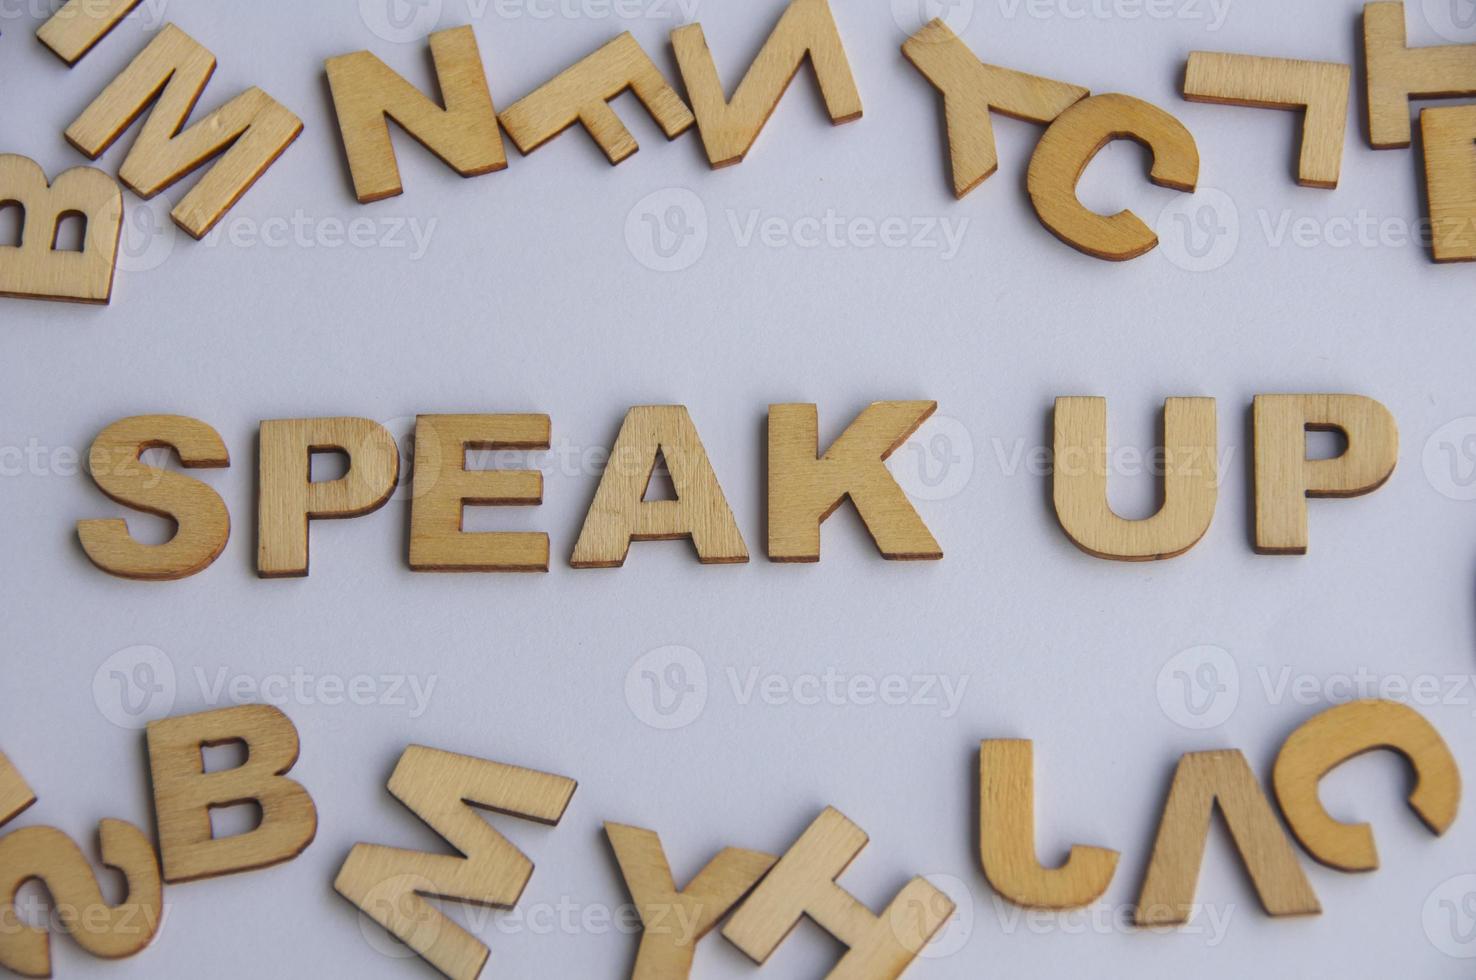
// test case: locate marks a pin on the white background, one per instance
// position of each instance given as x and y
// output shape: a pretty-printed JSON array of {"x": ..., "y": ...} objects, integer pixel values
[{"x": 530, "y": 296}]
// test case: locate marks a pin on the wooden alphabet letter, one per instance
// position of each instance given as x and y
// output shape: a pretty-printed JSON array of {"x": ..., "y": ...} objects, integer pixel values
[
  {"x": 1339, "y": 734},
  {"x": 1397, "y": 73},
  {"x": 35, "y": 268},
  {"x": 248, "y": 133},
  {"x": 1190, "y": 481},
  {"x": 202, "y": 523},
  {"x": 805, "y": 488},
  {"x": 390, "y": 885},
  {"x": 1007, "y": 837},
  {"x": 1318, "y": 87},
  {"x": 184, "y": 793},
  {"x": 76, "y": 28},
  {"x": 805, "y": 30},
  {"x": 1203, "y": 780},
  {"x": 367, "y": 94},
  {"x": 1285, "y": 477},
  {"x": 106, "y": 931},
  {"x": 581, "y": 94},
  {"x": 620, "y": 514},
  {"x": 444, "y": 488},
  {"x": 1450, "y": 180},
  {"x": 289, "y": 498},
  {"x": 803, "y": 884},
  {"x": 15, "y": 794},
  {"x": 674, "y": 921},
  {"x": 1070, "y": 143},
  {"x": 971, "y": 90}
]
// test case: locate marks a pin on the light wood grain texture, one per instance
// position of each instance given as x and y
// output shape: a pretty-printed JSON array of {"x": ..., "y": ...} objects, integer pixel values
[
  {"x": 1203, "y": 781},
  {"x": 971, "y": 90},
  {"x": 15, "y": 794},
  {"x": 202, "y": 523},
  {"x": 620, "y": 515},
  {"x": 463, "y": 133},
  {"x": 806, "y": 29},
  {"x": 444, "y": 488},
  {"x": 1285, "y": 477},
  {"x": 1397, "y": 73},
  {"x": 802, "y": 884},
  {"x": 287, "y": 498},
  {"x": 390, "y": 885},
  {"x": 1007, "y": 837},
  {"x": 184, "y": 793},
  {"x": 105, "y": 931},
  {"x": 1450, "y": 181},
  {"x": 581, "y": 93},
  {"x": 1190, "y": 481},
  {"x": 1341, "y": 733},
  {"x": 1317, "y": 88},
  {"x": 805, "y": 487},
  {"x": 35, "y": 268},
  {"x": 76, "y": 28},
  {"x": 248, "y": 133},
  {"x": 674, "y": 921},
  {"x": 1069, "y": 145}
]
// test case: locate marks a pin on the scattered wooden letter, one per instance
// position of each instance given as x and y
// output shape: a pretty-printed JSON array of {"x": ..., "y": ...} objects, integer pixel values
[
  {"x": 1068, "y": 146},
  {"x": 288, "y": 497},
  {"x": 202, "y": 523},
  {"x": 1397, "y": 73},
  {"x": 170, "y": 74},
  {"x": 184, "y": 793},
  {"x": 444, "y": 488},
  {"x": 1450, "y": 180},
  {"x": 35, "y": 268},
  {"x": 105, "y": 931},
  {"x": 1007, "y": 837},
  {"x": 1190, "y": 481},
  {"x": 1337, "y": 735},
  {"x": 805, "y": 487},
  {"x": 76, "y": 28},
  {"x": 1285, "y": 477},
  {"x": 880, "y": 947},
  {"x": 367, "y": 94},
  {"x": 806, "y": 29},
  {"x": 1202, "y": 781},
  {"x": 581, "y": 94},
  {"x": 1320, "y": 88},
  {"x": 389, "y": 884},
  {"x": 673, "y": 921},
  {"x": 971, "y": 90},
  {"x": 15, "y": 794},
  {"x": 620, "y": 514}
]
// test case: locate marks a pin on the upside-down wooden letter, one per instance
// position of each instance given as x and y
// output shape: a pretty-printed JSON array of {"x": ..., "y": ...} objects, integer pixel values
[{"x": 390, "y": 885}]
